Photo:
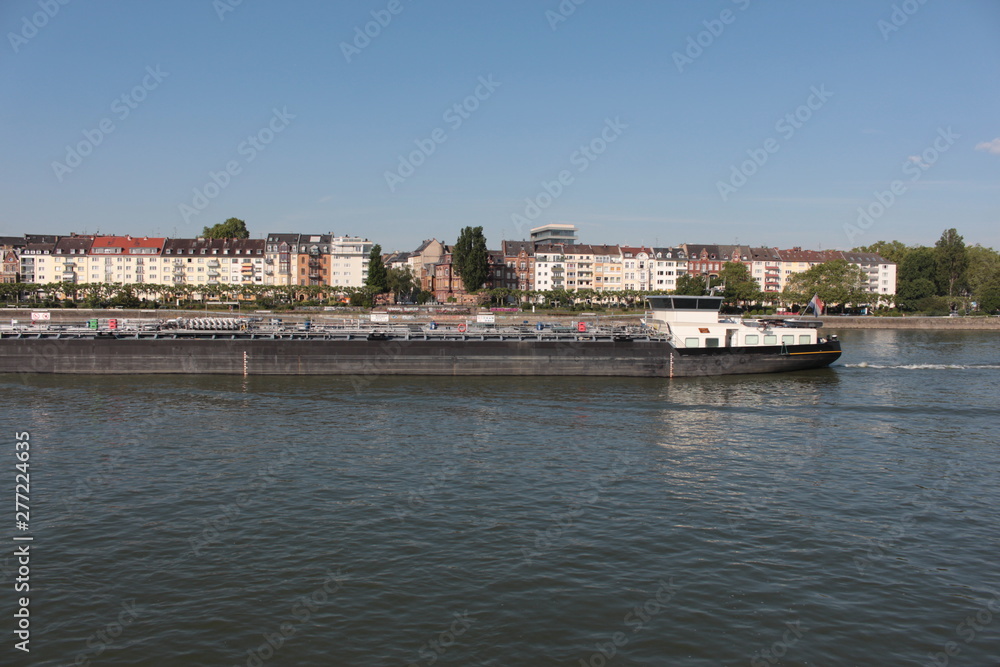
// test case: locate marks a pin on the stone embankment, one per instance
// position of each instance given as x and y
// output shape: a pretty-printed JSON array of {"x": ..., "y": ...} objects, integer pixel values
[{"x": 951, "y": 323}]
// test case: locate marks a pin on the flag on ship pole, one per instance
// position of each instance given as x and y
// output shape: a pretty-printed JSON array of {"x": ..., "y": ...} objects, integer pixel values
[{"x": 817, "y": 305}]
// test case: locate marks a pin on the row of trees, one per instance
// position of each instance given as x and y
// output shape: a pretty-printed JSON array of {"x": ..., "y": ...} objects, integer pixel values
[{"x": 947, "y": 276}]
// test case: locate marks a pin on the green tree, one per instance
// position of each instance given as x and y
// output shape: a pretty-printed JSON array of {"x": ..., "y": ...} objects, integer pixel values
[
  {"x": 401, "y": 283},
  {"x": 836, "y": 282},
  {"x": 741, "y": 288},
  {"x": 989, "y": 297},
  {"x": 912, "y": 292},
  {"x": 918, "y": 264},
  {"x": 364, "y": 298},
  {"x": 984, "y": 268},
  {"x": 471, "y": 258},
  {"x": 233, "y": 228},
  {"x": 125, "y": 297},
  {"x": 894, "y": 251},
  {"x": 952, "y": 260},
  {"x": 378, "y": 276},
  {"x": 690, "y": 285}
]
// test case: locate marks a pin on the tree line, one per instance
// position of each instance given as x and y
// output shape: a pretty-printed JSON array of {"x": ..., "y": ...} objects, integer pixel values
[{"x": 946, "y": 277}]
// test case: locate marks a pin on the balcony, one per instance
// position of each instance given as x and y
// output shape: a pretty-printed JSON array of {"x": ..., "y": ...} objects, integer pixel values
[{"x": 214, "y": 263}]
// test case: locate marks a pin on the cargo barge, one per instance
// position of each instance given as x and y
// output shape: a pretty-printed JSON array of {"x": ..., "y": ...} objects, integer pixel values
[{"x": 679, "y": 337}]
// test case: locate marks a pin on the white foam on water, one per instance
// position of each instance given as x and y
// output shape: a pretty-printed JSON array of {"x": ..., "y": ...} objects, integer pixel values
[{"x": 924, "y": 367}]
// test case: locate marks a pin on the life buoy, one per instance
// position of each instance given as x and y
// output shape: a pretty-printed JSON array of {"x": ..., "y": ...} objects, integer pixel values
[
  {"x": 581, "y": 327},
  {"x": 461, "y": 328}
]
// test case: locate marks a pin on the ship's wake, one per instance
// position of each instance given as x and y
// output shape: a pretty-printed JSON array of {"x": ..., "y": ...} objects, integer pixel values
[{"x": 925, "y": 367}]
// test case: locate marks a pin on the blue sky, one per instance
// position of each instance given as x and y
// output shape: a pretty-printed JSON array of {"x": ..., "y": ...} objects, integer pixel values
[{"x": 640, "y": 122}]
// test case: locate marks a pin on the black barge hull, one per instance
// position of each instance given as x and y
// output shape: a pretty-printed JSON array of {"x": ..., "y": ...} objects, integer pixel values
[{"x": 310, "y": 355}]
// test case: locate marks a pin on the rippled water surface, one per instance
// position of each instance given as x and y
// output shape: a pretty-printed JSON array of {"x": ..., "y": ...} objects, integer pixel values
[{"x": 835, "y": 517}]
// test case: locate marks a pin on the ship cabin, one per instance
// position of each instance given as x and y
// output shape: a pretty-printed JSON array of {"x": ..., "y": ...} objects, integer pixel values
[{"x": 693, "y": 321}]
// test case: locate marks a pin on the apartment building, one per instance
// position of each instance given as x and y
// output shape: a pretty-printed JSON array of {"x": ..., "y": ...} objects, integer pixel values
[
  {"x": 667, "y": 265},
  {"x": 550, "y": 266},
  {"x": 608, "y": 268},
  {"x": 637, "y": 268},
  {"x": 880, "y": 271},
  {"x": 200, "y": 262},
  {"x": 579, "y": 267},
  {"x": 10, "y": 252},
  {"x": 520, "y": 258},
  {"x": 281, "y": 249}
]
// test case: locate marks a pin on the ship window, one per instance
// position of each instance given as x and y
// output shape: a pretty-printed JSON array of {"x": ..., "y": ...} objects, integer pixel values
[
  {"x": 804, "y": 340},
  {"x": 788, "y": 340},
  {"x": 711, "y": 342},
  {"x": 770, "y": 340},
  {"x": 690, "y": 342},
  {"x": 752, "y": 339}
]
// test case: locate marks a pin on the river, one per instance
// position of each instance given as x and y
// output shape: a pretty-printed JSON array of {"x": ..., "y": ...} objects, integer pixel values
[{"x": 845, "y": 516}]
